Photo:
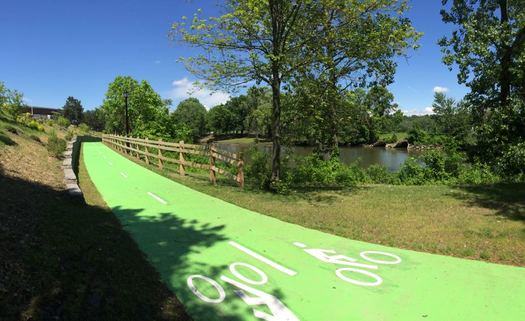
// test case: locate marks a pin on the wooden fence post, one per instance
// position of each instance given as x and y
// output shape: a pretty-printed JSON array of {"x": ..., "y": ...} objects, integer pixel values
[
  {"x": 182, "y": 172},
  {"x": 160, "y": 154},
  {"x": 213, "y": 178},
  {"x": 137, "y": 148},
  {"x": 240, "y": 173},
  {"x": 146, "y": 150}
]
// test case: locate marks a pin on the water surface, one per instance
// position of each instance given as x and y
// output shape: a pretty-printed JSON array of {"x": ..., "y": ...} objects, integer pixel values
[{"x": 391, "y": 158}]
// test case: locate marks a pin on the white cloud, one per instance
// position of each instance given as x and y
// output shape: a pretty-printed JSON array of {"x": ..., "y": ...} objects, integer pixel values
[
  {"x": 439, "y": 89},
  {"x": 184, "y": 88},
  {"x": 418, "y": 111},
  {"x": 156, "y": 62},
  {"x": 429, "y": 110}
]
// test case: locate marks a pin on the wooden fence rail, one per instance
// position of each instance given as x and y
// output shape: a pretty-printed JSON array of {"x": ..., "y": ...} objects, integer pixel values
[{"x": 158, "y": 152}]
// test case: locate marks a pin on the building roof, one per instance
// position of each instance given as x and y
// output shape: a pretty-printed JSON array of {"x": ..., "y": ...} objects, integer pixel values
[{"x": 41, "y": 110}]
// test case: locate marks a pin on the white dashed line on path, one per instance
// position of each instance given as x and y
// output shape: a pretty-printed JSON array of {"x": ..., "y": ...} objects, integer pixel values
[
  {"x": 123, "y": 175},
  {"x": 263, "y": 259},
  {"x": 157, "y": 198}
]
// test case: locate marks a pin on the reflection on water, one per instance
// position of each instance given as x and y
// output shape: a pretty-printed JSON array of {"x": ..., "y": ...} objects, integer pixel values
[{"x": 389, "y": 157}]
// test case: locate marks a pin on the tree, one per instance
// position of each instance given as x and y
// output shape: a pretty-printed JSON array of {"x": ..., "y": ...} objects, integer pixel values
[
  {"x": 148, "y": 113},
  {"x": 219, "y": 120},
  {"x": 355, "y": 44},
  {"x": 253, "y": 41},
  {"x": 3, "y": 94},
  {"x": 191, "y": 114},
  {"x": 452, "y": 118},
  {"x": 72, "y": 110},
  {"x": 355, "y": 119},
  {"x": 239, "y": 110},
  {"x": 259, "y": 119},
  {"x": 14, "y": 102},
  {"x": 488, "y": 46},
  {"x": 95, "y": 119}
]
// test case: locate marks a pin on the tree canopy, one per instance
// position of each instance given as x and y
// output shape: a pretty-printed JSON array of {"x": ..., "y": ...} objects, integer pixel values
[
  {"x": 190, "y": 115},
  {"x": 72, "y": 110},
  {"x": 488, "y": 46},
  {"x": 285, "y": 42},
  {"x": 148, "y": 113}
]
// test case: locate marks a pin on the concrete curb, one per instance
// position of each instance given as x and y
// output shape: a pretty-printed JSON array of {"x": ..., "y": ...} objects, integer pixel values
[{"x": 69, "y": 175}]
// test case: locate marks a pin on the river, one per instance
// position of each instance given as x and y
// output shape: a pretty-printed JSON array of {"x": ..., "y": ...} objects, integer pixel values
[{"x": 391, "y": 158}]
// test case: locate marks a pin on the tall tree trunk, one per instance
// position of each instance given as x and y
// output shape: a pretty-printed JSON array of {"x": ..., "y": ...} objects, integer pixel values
[
  {"x": 331, "y": 143},
  {"x": 276, "y": 13},
  {"x": 506, "y": 58},
  {"x": 276, "y": 127}
]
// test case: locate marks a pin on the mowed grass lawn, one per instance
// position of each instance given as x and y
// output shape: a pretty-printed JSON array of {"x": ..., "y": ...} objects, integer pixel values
[{"x": 475, "y": 222}]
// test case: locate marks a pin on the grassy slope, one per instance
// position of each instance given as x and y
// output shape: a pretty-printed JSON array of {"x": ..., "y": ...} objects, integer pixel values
[
  {"x": 485, "y": 223},
  {"x": 400, "y": 136},
  {"x": 61, "y": 259},
  {"x": 242, "y": 140}
]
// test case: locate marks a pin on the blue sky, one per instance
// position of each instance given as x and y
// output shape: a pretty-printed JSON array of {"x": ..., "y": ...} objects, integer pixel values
[{"x": 52, "y": 49}]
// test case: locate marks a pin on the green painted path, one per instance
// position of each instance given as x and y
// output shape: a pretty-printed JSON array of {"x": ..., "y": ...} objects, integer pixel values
[{"x": 228, "y": 263}]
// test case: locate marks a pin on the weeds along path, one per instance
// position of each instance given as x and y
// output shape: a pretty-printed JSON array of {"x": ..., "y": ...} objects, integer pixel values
[{"x": 228, "y": 263}]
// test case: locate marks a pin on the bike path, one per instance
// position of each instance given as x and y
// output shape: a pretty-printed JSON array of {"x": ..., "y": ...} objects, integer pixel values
[{"x": 225, "y": 262}]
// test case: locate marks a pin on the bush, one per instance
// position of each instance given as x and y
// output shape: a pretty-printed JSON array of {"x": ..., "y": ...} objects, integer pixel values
[
  {"x": 83, "y": 128},
  {"x": 63, "y": 122},
  {"x": 393, "y": 138},
  {"x": 56, "y": 146},
  {"x": 258, "y": 169},
  {"x": 379, "y": 174},
  {"x": 33, "y": 124},
  {"x": 512, "y": 162},
  {"x": 411, "y": 172},
  {"x": 477, "y": 174},
  {"x": 417, "y": 136},
  {"x": 69, "y": 135}
]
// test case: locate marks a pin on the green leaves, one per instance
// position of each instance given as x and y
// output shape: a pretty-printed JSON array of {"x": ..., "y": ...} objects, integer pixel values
[
  {"x": 148, "y": 113},
  {"x": 189, "y": 120},
  {"x": 486, "y": 47},
  {"x": 73, "y": 110}
]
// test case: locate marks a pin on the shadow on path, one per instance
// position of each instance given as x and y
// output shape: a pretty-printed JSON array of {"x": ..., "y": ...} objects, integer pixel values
[{"x": 61, "y": 259}]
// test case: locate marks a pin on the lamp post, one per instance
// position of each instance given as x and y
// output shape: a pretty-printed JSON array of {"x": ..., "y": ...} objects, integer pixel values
[{"x": 126, "y": 95}]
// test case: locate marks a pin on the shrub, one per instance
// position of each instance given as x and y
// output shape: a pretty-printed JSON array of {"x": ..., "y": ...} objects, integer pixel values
[
  {"x": 477, "y": 174},
  {"x": 84, "y": 128},
  {"x": 258, "y": 168},
  {"x": 69, "y": 135},
  {"x": 56, "y": 146},
  {"x": 417, "y": 136},
  {"x": 379, "y": 174},
  {"x": 393, "y": 138},
  {"x": 33, "y": 124},
  {"x": 512, "y": 162},
  {"x": 411, "y": 172},
  {"x": 63, "y": 122}
]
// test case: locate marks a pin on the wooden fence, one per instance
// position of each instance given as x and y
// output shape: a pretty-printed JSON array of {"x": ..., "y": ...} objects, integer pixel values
[{"x": 159, "y": 153}]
